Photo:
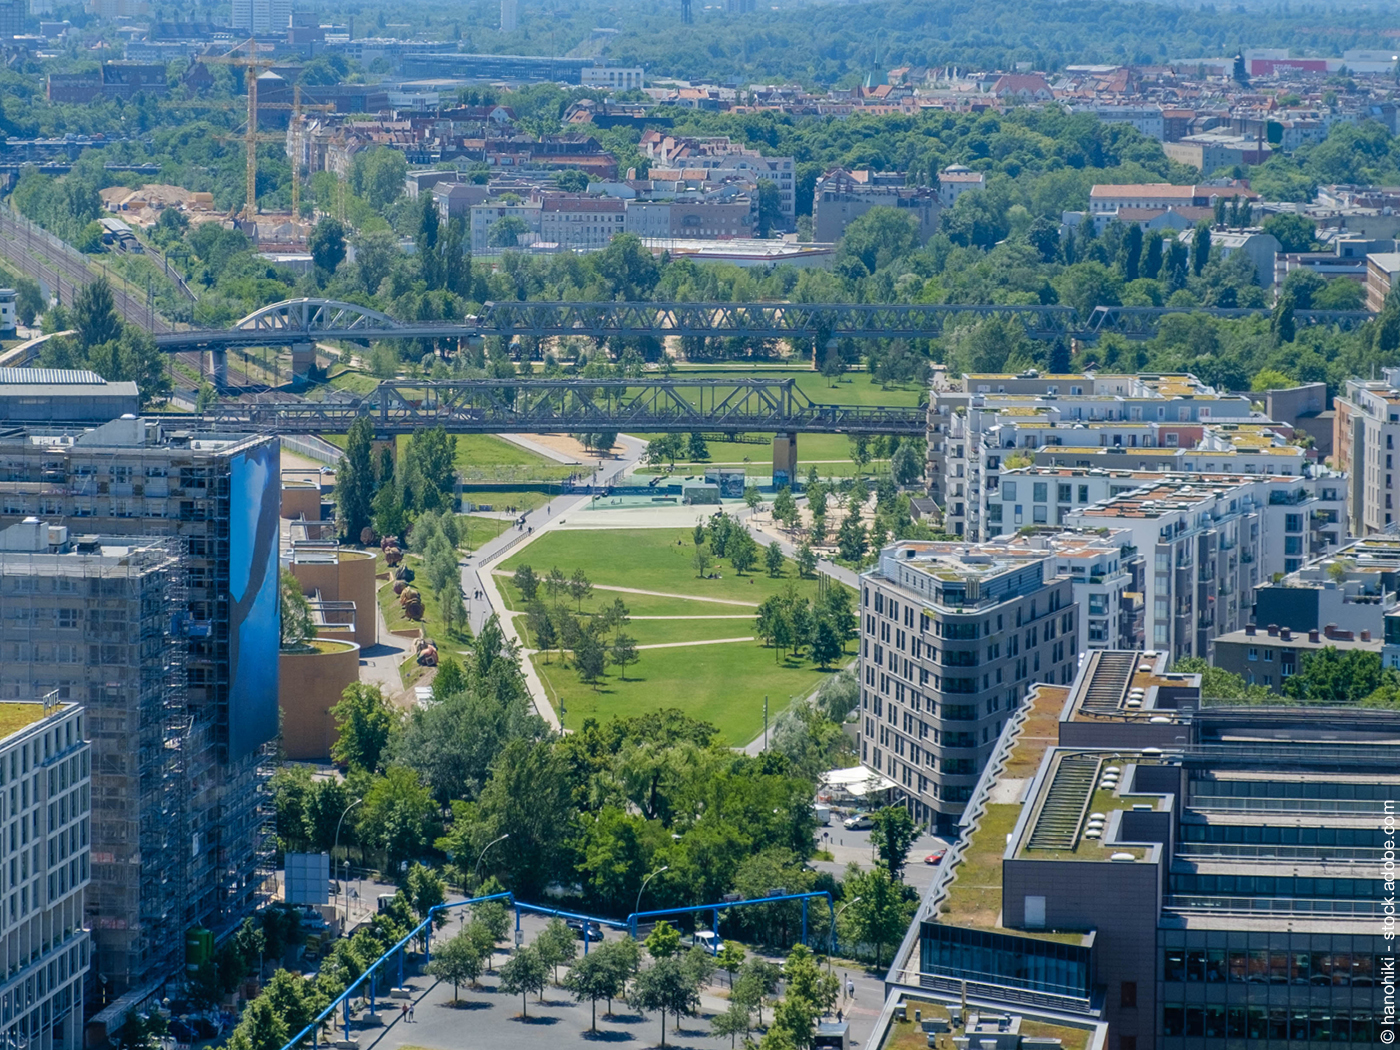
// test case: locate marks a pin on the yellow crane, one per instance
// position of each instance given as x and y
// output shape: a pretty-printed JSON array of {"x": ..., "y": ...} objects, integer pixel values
[{"x": 253, "y": 66}]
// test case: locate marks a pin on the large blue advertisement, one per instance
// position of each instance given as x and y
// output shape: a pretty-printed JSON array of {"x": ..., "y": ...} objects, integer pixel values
[{"x": 254, "y": 609}]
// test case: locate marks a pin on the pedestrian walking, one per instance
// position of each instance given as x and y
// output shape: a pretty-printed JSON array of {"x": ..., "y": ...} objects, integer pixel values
[
  {"x": 851, "y": 988},
  {"x": 410, "y": 1011},
  {"x": 403, "y": 1013}
]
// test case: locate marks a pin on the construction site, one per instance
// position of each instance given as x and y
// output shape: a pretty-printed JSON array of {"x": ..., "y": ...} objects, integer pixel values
[{"x": 155, "y": 617}]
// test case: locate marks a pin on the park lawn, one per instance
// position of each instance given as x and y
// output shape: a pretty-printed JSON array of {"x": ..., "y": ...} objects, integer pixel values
[
  {"x": 353, "y": 380},
  {"x": 637, "y": 604},
  {"x": 523, "y": 497},
  {"x": 485, "y": 457},
  {"x": 652, "y": 560},
  {"x": 476, "y": 529},
  {"x": 721, "y": 684},
  {"x": 666, "y": 632},
  {"x": 853, "y": 388}
]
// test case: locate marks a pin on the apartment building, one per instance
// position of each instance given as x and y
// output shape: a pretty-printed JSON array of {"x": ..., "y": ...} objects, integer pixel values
[
  {"x": 215, "y": 497},
  {"x": 581, "y": 222},
  {"x": 1105, "y": 571},
  {"x": 955, "y": 180},
  {"x": 951, "y": 636},
  {"x": 720, "y": 157},
  {"x": 1270, "y": 655},
  {"x": 1133, "y": 859},
  {"x": 1364, "y": 436},
  {"x": 1352, "y": 586},
  {"x": 45, "y": 796},
  {"x": 487, "y": 237},
  {"x": 1209, "y": 540},
  {"x": 978, "y": 423},
  {"x": 842, "y": 196}
]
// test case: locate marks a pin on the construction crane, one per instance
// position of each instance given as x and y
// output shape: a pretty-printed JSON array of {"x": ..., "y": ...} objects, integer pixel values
[{"x": 253, "y": 67}]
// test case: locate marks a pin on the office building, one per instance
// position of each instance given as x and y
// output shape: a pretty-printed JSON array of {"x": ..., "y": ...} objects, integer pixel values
[
  {"x": 951, "y": 636},
  {"x": 841, "y": 196},
  {"x": 211, "y": 502},
  {"x": 45, "y": 791},
  {"x": 510, "y": 15},
  {"x": 54, "y": 395},
  {"x": 1192, "y": 876},
  {"x": 262, "y": 16}
]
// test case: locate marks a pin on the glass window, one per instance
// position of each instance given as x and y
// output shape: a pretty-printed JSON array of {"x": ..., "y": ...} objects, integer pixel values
[
  {"x": 1239, "y": 967},
  {"x": 1039, "y": 489},
  {"x": 1008, "y": 491},
  {"x": 1235, "y": 1022},
  {"x": 1215, "y": 965},
  {"x": 1173, "y": 1020},
  {"x": 1196, "y": 965},
  {"x": 1175, "y": 964},
  {"x": 1195, "y": 1022},
  {"x": 1215, "y": 1022}
]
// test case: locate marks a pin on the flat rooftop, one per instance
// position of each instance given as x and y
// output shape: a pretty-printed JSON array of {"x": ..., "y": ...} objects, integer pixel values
[{"x": 20, "y": 714}]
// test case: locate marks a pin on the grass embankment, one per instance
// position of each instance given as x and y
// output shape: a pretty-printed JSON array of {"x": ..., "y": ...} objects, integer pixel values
[{"x": 723, "y": 683}]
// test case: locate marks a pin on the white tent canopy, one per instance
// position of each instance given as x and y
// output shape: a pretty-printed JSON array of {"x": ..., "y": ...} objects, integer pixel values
[{"x": 858, "y": 781}]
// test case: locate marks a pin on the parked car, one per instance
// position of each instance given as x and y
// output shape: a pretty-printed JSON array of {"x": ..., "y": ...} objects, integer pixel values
[
  {"x": 585, "y": 931},
  {"x": 936, "y": 857},
  {"x": 859, "y": 822}
]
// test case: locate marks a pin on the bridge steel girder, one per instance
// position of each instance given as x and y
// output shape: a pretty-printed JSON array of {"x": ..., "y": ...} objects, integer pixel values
[
  {"x": 307, "y": 320},
  {"x": 495, "y": 406}
]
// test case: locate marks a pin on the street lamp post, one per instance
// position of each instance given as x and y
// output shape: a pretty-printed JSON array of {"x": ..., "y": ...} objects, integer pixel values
[
  {"x": 658, "y": 871},
  {"x": 335, "y": 847},
  {"x": 832, "y": 949},
  {"x": 476, "y": 872}
]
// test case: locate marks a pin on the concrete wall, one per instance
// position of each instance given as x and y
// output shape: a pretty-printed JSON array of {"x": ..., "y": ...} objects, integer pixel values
[
  {"x": 310, "y": 685},
  {"x": 350, "y": 578},
  {"x": 301, "y": 501}
]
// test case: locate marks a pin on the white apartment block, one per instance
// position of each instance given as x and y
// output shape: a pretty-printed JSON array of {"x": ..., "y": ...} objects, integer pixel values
[
  {"x": 951, "y": 637},
  {"x": 587, "y": 223},
  {"x": 262, "y": 16},
  {"x": 617, "y": 79},
  {"x": 45, "y": 798},
  {"x": 719, "y": 158},
  {"x": 955, "y": 180},
  {"x": 1108, "y": 421},
  {"x": 485, "y": 216},
  {"x": 1365, "y": 435},
  {"x": 1147, "y": 119},
  {"x": 1208, "y": 541}
]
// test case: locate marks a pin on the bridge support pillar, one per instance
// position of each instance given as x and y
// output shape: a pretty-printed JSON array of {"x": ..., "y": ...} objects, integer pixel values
[
  {"x": 303, "y": 361},
  {"x": 784, "y": 459},
  {"x": 217, "y": 366}
]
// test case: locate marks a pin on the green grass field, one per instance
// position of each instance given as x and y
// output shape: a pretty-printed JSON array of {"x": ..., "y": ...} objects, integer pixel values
[
  {"x": 721, "y": 684},
  {"x": 700, "y": 679},
  {"x": 477, "y": 530}
]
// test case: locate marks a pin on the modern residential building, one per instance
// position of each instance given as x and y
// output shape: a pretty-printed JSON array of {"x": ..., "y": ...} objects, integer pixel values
[
  {"x": 1209, "y": 540},
  {"x": 1364, "y": 437},
  {"x": 1173, "y": 870},
  {"x": 1381, "y": 268},
  {"x": 841, "y": 196},
  {"x": 1353, "y": 586},
  {"x": 45, "y": 769},
  {"x": 951, "y": 637},
  {"x": 720, "y": 158},
  {"x": 1258, "y": 247},
  {"x": 212, "y": 499},
  {"x": 510, "y": 15},
  {"x": 1269, "y": 656}
]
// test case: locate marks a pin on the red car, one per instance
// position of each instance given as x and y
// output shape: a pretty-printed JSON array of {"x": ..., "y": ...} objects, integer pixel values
[{"x": 934, "y": 859}]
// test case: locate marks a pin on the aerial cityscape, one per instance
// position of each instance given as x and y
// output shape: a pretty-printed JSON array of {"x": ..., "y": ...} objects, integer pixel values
[{"x": 827, "y": 524}]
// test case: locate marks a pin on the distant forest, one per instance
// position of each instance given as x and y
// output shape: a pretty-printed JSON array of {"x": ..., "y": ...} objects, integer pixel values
[{"x": 839, "y": 43}]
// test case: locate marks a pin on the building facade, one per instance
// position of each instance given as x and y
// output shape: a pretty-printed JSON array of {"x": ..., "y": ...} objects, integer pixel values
[
  {"x": 950, "y": 639},
  {"x": 45, "y": 796},
  {"x": 215, "y": 497},
  {"x": 1364, "y": 436}
]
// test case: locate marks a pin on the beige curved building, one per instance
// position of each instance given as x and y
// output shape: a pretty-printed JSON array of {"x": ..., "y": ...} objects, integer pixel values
[
  {"x": 341, "y": 585},
  {"x": 310, "y": 684}
]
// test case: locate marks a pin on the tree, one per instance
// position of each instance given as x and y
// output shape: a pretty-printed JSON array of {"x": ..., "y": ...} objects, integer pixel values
[
  {"x": 770, "y": 207},
  {"x": 860, "y": 450},
  {"x": 665, "y": 986},
  {"x": 593, "y": 977},
  {"x": 1217, "y": 683},
  {"x": 1132, "y": 252},
  {"x": 506, "y": 231},
  {"x": 734, "y": 1022},
  {"x": 698, "y": 450},
  {"x": 876, "y": 239},
  {"x": 664, "y": 941},
  {"x": 906, "y": 466},
  {"x": 327, "y": 245},
  {"x": 260, "y": 1028},
  {"x": 378, "y": 176},
  {"x": 589, "y": 658},
  {"x": 95, "y": 314},
  {"x": 556, "y": 583},
  {"x": 426, "y": 890},
  {"x": 880, "y": 915},
  {"x": 628, "y": 268},
  {"x": 785, "y": 508},
  {"x": 1270, "y": 379},
  {"x": 354, "y": 480},
  {"x": 892, "y": 832},
  {"x": 1200, "y": 247},
  {"x": 556, "y": 945},
  {"x": 297, "y": 625},
  {"x": 524, "y": 972},
  {"x": 826, "y": 643},
  {"x": 580, "y": 587},
  {"x": 364, "y": 721},
  {"x": 702, "y": 560},
  {"x": 851, "y": 539},
  {"x": 1282, "y": 324},
  {"x": 526, "y": 582},
  {"x": 429, "y": 470},
  {"x": 1328, "y": 676},
  {"x": 1294, "y": 233},
  {"x": 752, "y": 497},
  {"x": 756, "y": 983},
  {"x": 731, "y": 956},
  {"x": 743, "y": 553},
  {"x": 806, "y": 561},
  {"x": 459, "y": 959},
  {"x": 773, "y": 559},
  {"x": 399, "y": 815},
  {"x": 623, "y": 652}
]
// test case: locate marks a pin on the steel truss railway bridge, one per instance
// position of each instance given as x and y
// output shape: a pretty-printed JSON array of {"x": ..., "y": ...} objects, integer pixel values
[{"x": 301, "y": 322}]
